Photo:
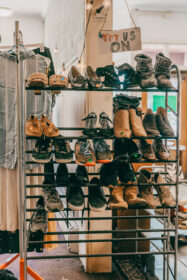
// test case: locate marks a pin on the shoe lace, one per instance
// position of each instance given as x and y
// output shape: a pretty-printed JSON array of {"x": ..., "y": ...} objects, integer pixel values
[
  {"x": 102, "y": 146},
  {"x": 85, "y": 149},
  {"x": 42, "y": 146},
  {"x": 104, "y": 121},
  {"x": 161, "y": 146},
  {"x": 91, "y": 120},
  {"x": 62, "y": 145}
]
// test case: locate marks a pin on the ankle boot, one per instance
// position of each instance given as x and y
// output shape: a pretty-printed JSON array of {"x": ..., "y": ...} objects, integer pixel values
[
  {"x": 145, "y": 71},
  {"x": 132, "y": 199},
  {"x": 164, "y": 192},
  {"x": 146, "y": 192},
  {"x": 116, "y": 199},
  {"x": 136, "y": 123},
  {"x": 163, "y": 123},
  {"x": 121, "y": 124},
  {"x": 149, "y": 261},
  {"x": 162, "y": 71},
  {"x": 149, "y": 123}
]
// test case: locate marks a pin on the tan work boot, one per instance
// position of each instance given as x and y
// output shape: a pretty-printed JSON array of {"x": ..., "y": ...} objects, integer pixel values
[
  {"x": 146, "y": 192},
  {"x": 164, "y": 192},
  {"x": 50, "y": 130},
  {"x": 121, "y": 124},
  {"x": 34, "y": 127},
  {"x": 136, "y": 123},
  {"x": 116, "y": 199},
  {"x": 132, "y": 199}
]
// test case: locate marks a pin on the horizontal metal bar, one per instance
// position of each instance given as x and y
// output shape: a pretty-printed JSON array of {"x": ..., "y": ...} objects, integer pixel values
[
  {"x": 107, "y": 138},
  {"x": 61, "y": 196},
  {"x": 99, "y": 255},
  {"x": 97, "y": 240},
  {"x": 90, "y": 173}
]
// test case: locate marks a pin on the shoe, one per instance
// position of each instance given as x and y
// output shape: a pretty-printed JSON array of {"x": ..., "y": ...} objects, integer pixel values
[
  {"x": 39, "y": 219},
  {"x": 125, "y": 172},
  {"x": 81, "y": 175},
  {"x": 160, "y": 149},
  {"x": 92, "y": 78},
  {"x": 133, "y": 150},
  {"x": 111, "y": 78},
  {"x": 84, "y": 153},
  {"x": 6, "y": 274},
  {"x": 120, "y": 150},
  {"x": 105, "y": 121},
  {"x": 116, "y": 199},
  {"x": 49, "y": 129},
  {"x": 136, "y": 123},
  {"x": 145, "y": 71},
  {"x": 150, "y": 124},
  {"x": 52, "y": 200},
  {"x": 96, "y": 197},
  {"x": 163, "y": 123},
  {"x": 162, "y": 71},
  {"x": 146, "y": 191},
  {"x": 62, "y": 177},
  {"x": 63, "y": 152},
  {"x": 43, "y": 151},
  {"x": 58, "y": 81},
  {"x": 91, "y": 121},
  {"x": 34, "y": 127},
  {"x": 164, "y": 193},
  {"x": 125, "y": 101},
  {"x": 149, "y": 270},
  {"x": 75, "y": 195},
  {"x": 121, "y": 124},
  {"x": 108, "y": 174},
  {"x": 102, "y": 151},
  {"x": 76, "y": 79},
  {"x": 130, "y": 78},
  {"x": 132, "y": 199},
  {"x": 37, "y": 79},
  {"x": 146, "y": 150}
]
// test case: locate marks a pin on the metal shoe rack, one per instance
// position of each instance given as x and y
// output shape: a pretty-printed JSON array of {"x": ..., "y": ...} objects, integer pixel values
[{"x": 166, "y": 230}]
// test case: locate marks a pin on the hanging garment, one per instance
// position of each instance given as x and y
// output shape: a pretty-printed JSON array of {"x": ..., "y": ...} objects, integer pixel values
[{"x": 46, "y": 53}]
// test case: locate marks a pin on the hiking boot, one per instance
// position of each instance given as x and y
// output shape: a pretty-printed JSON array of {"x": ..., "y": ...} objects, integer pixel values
[
  {"x": 124, "y": 100},
  {"x": 96, "y": 196},
  {"x": 150, "y": 124},
  {"x": 164, "y": 193},
  {"x": 133, "y": 150},
  {"x": 91, "y": 121},
  {"x": 116, "y": 199},
  {"x": 160, "y": 149},
  {"x": 105, "y": 121},
  {"x": 102, "y": 151},
  {"x": 146, "y": 191},
  {"x": 162, "y": 71},
  {"x": 37, "y": 79},
  {"x": 63, "y": 152},
  {"x": 132, "y": 199},
  {"x": 108, "y": 174},
  {"x": 52, "y": 199},
  {"x": 136, "y": 123},
  {"x": 111, "y": 78},
  {"x": 84, "y": 153},
  {"x": 81, "y": 175},
  {"x": 92, "y": 78},
  {"x": 145, "y": 71},
  {"x": 62, "y": 177},
  {"x": 43, "y": 151},
  {"x": 76, "y": 79},
  {"x": 34, "y": 127},
  {"x": 149, "y": 263},
  {"x": 39, "y": 219},
  {"x": 121, "y": 124},
  {"x": 49, "y": 129},
  {"x": 75, "y": 195},
  {"x": 130, "y": 79},
  {"x": 125, "y": 172},
  {"x": 163, "y": 123},
  {"x": 120, "y": 150},
  {"x": 146, "y": 149}
]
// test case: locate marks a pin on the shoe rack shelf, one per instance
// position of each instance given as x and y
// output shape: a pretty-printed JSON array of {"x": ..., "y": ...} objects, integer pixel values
[{"x": 164, "y": 218}]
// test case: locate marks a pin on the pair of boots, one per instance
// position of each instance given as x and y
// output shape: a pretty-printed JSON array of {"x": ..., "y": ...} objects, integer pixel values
[
  {"x": 128, "y": 121},
  {"x": 146, "y": 181},
  {"x": 157, "y": 76}
]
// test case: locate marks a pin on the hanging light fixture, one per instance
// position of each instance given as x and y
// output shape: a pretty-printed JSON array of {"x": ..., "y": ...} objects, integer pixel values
[
  {"x": 106, "y": 3},
  {"x": 5, "y": 12}
]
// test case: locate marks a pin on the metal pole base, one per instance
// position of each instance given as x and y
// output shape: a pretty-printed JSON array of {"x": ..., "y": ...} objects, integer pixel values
[
  {"x": 30, "y": 271},
  {"x": 9, "y": 261}
]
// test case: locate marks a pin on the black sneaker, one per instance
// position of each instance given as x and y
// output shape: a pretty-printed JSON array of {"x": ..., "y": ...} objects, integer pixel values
[
  {"x": 75, "y": 195},
  {"x": 92, "y": 78},
  {"x": 43, "y": 151},
  {"x": 133, "y": 150},
  {"x": 105, "y": 121},
  {"x": 62, "y": 177},
  {"x": 81, "y": 175},
  {"x": 108, "y": 174},
  {"x": 96, "y": 197},
  {"x": 91, "y": 121},
  {"x": 102, "y": 151},
  {"x": 125, "y": 172},
  {"x": 63, "y": 152},
  {"x": 76, "y": 79},
  {"x": 120, "y": 151},
  {"x": 39, "y": 219},
  {"x": 111, "y": 77}
]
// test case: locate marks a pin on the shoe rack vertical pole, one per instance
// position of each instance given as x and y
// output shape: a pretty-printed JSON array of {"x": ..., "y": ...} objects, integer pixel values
[{"x": 20, "y": 161}]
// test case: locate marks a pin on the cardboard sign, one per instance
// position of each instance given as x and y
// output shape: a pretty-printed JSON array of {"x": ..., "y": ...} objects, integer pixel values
[{"x": 124, "y": 40}]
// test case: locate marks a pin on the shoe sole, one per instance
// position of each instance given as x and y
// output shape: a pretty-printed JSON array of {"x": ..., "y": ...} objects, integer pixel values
[
  {"x": 63, "y": 160},
  {"x": 97, "y": 209},
  {"x": 42, "y": 160},
  {"x": 105, "y": 161},
  {"x": 54, "y": 210},
  {"x": 33, "y": 135},
  {"x": 75, "y": 208},
  {"x": 42, "y": 228},
  {"x": 85, "y": 164}
]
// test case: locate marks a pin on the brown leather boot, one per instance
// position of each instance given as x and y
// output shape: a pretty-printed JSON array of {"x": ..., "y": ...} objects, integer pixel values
[
  {"x": 132, "y": 199},
  {"x": 34, "y": 127},
  {"x": 121, "y": 124},
  {"x": 50, "y": 130},
  {"x": 116, "y": 199},
  {"x": 136, "y": 123},
  {"x": 164, "y": 192}
]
